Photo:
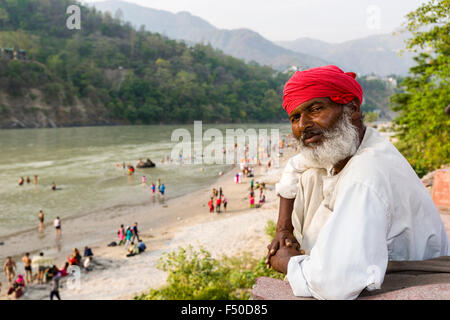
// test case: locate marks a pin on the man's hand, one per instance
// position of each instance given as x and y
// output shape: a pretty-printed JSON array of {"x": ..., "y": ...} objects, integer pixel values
[
  {"x": 280, "y": 260},
  {"x": 283, "y": 238}
]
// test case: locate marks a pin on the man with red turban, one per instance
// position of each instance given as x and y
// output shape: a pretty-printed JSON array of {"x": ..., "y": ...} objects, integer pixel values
[{"x": 349, "y": 201}]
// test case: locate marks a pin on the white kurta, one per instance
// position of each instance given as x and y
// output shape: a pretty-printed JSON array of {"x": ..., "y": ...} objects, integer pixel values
[{"x": 376, "y": 209}]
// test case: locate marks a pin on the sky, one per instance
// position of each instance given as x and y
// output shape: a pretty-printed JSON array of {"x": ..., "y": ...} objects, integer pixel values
[{"x": 332, "y": 21}]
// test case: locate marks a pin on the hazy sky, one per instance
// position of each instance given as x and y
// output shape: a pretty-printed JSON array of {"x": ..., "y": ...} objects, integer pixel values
[{"x": 327, "y": 20}]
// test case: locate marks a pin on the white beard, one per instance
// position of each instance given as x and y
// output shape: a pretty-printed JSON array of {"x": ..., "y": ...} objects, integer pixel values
[{"x": 339, "y": 142}]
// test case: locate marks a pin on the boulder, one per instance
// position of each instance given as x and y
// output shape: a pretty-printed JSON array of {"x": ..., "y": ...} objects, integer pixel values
[{"x": 147, "y": 164}]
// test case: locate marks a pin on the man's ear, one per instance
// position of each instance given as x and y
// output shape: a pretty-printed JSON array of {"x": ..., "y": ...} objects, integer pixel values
[{"x": 356, "y": 106}]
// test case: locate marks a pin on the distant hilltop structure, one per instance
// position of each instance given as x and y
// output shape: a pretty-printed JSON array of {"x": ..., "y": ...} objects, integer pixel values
[
  {"x": 295, "y": 68},
  {"x": 10, "y": 53}
]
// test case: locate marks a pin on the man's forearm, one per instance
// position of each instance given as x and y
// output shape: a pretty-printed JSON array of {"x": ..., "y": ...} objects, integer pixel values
[{"x": 285, "y": 215}]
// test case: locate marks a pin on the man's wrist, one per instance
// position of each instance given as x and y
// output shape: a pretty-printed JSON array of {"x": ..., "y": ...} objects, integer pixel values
[{"x": 284, "y": 229}]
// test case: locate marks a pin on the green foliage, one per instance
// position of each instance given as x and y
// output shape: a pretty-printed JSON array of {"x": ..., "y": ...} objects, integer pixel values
[
  {"x": 195, "y": 275},
  {"x": 155, "y": 79},
  {"x": 371, "y": 116},
  {"x": 422, "y": 126},
  {"x": 271, "y": 228}
]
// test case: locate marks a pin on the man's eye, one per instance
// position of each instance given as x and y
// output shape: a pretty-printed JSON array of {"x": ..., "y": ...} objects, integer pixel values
[
  {"x": 295, "y": 118},
  {"x": 313, "y": 109}
]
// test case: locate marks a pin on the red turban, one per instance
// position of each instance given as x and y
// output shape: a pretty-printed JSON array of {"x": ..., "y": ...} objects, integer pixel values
[{"x": 322, "y": 82}]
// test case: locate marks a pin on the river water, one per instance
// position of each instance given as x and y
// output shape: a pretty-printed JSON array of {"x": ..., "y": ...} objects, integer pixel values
[{"x": 82, "y": 162}]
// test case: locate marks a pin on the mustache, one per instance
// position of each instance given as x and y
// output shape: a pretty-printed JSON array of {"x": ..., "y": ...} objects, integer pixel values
[{"x": 308, "y": 133}]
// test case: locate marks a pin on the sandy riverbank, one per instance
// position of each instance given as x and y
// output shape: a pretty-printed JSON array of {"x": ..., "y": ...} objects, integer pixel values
[{"x": 180, "y": 222}]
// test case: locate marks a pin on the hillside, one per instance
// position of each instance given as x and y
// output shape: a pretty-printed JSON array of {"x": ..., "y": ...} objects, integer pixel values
[
  {"x": 374, "y": 54},
  {"x": 377, "y": 54},
  {"x": 108, "y": 73},
  {"x": 241, "y": 43}
]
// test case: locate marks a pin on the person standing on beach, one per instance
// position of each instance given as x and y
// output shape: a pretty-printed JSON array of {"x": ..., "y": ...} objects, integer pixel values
[
  {"x": 129, "y": 235},
  {"x": 252, "y": 201},
  {"x": 27, "y": 266},
  {"x": 41, "y": 267},
  {"x": 224, "y": 201},
  {"x": 10, "y": 269},
  {"x": 21, "y": 181},
  {"x": 57, "y": 224},
  {"x": 41, "y": 220},
  {"x": 55, "y": 287},
  {"x": 135, "y": 232},
  {"x": 218, "y": 202},
  {"x": 35, "y": 180},
  {"x": 121, "y": 234},
  {"x": 211, "y": 204}
]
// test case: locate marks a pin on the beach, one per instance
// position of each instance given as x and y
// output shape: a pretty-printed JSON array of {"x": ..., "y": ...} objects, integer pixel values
[{"x": 179, "y": 222}]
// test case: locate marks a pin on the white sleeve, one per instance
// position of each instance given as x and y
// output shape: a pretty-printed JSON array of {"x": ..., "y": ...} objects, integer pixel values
[
  {"x": 350, "y": 253},
  {"x": 288, "y": 185}
]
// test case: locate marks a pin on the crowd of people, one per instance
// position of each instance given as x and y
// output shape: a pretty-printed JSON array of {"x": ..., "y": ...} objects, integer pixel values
[
  {"x": 127, "y": 237},
  {"x": 42, "y": 270},
  {"x": 28, "y": 180},
  {"x": 22, "y": 181},
  {"x": 46, "y": 271},
  {"x": 262, "y": 197},
  {"x": 217, "y": 200}
]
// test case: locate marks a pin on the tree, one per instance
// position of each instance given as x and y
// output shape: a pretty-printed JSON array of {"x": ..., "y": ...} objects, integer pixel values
[
  {"x": 3, "y": 17},
  {"x": 422, "y": 126}
]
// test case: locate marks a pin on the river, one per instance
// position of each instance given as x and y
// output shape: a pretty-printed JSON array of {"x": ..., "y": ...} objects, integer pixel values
[{"x": 82, "y": 161}]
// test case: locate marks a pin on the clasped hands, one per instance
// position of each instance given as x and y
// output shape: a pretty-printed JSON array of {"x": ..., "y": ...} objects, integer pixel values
[{"x": 283, "y": 246}]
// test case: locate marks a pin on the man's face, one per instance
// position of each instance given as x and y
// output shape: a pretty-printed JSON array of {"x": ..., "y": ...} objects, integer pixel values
[
  {"x": 310, "y": 119},
  {"x": 325, "y": 131}
]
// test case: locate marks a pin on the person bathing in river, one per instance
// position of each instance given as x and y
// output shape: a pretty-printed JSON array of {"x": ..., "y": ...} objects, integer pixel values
[
  {"x": 41, "y": 220},
  {"x": 153, "y": 189}
]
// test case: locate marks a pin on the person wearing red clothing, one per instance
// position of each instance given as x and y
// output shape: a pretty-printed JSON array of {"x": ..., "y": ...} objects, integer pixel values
[
  {"x": 211, "y": 205},
  {"x": 218, "y": 202}
]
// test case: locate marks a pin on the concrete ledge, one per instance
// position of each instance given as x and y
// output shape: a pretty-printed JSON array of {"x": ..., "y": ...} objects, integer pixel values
[
  {"x": 274, "y": 289},
  {"x": 421, "y": 280},
  {"x": 428, "y": 292}
]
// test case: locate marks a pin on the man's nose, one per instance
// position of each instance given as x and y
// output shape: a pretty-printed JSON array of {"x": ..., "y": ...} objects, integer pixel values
[{"x": 304, "y": 123}]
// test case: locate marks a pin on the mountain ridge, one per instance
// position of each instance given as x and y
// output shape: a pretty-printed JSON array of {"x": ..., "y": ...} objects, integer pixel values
[
  {"x": 192, "y": 29},
  {"x": 359, "y": 55}
]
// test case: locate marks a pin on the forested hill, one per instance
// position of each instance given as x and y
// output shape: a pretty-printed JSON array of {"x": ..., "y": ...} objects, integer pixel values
[{"x": 107, "y": 73}]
